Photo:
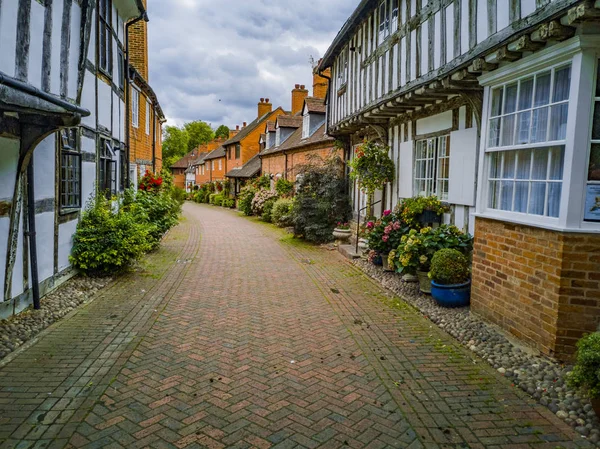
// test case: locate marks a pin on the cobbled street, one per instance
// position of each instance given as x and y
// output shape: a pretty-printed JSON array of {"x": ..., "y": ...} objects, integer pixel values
[{"x": 234, "y": 334}]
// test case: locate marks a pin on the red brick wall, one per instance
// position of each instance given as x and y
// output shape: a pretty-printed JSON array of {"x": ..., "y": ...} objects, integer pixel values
[
  {"x": 539, "y": 285},
  {"x": 275, "y": 163},
  {"x": 142, "y": 143}
]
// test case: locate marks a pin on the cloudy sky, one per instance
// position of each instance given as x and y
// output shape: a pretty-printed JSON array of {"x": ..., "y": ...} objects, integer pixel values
[{"x": 213, "y": 60}]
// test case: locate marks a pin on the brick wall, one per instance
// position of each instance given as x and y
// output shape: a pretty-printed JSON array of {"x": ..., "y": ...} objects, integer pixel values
[
  {"x": 275, "y": 163},
  {"x": 138, "y": 47},
  {"x": 539, "y": 285}
]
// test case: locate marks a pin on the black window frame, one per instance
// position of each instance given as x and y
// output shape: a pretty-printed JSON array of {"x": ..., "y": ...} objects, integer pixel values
[
  {"x": 107, "y": 168},
  {"x": 105, "y": 37},
  {"x": 70, "y": 161},
  {"x": 124, "y": 164},
  {"x": 121, "y": 68}
]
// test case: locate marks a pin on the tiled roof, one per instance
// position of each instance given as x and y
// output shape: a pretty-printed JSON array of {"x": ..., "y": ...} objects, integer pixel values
[
  {"x": 248, "y": 129},
  {"x": 316, "y": 105},
  {"x": 248, "y": 170},
  {"x": 200, "y": 159},
  {"x": 295, "y": 141},
  {"x": 184, "y": 162},
  {"x": 289, "y": 121},
  {"x": 215, "y": 154},
  {"x": 270, "y": 126}
]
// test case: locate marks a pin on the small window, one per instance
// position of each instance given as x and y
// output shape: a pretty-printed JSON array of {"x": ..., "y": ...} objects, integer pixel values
[
  {"x": 395, "y": 14},
  {"x": 432, "y": 167},
  {"x": 238, "y": 151},
  {"x": 212, "y": 166},
  {"x": 70, "y": 169},
  {"x": 148, "y": 110},
  {"x": 220, "y": 164},
  {"x": 306, "y": 126},
  {"x": 107, "y": 176},
  {"x": 135, "y": 107},
  {"x": 105, "y": 36},
  {"x": 384, "y": 21},
  {"x": 342, "y": 67}
]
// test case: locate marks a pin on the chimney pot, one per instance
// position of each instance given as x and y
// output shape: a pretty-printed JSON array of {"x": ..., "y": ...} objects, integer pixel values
[
  {"x": 302, "y": 86},
  {"x": 262, "y": 100},
  {"x": 267, "y": 100},
  {"x": 237, "y": 127},
  {"x": 297, "y": 86},
  {"x": 244, "y": 124}
]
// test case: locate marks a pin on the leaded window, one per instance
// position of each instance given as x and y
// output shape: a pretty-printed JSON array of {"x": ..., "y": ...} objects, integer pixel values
[
  {"x": 105, "y": 38},
  {"x": 70, "y": 169},
  {"x": 107, "y": 176}
]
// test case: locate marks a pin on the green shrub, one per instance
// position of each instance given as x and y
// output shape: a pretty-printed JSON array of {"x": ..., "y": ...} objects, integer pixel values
[
  {"x": 178, "y": 194},
  {"x": 228, "y": 202},
  {"x": 216, "y": 199},
  {"x": 282, "y": 214},
  {"x": 261, "y": 198},
  {"x": 159, "y": 210},
  {"x": 245, "y": 199},
  {"x": 586, "y": 372},
  {"x": 107, "y": 241},
  {"x": 267, "y": 210},
  {"x": 263, "y": 182},
  {"x": 449, "y": 267},
  {"x": 283, "y": 187},
  {"x": 321, "y": 200}
]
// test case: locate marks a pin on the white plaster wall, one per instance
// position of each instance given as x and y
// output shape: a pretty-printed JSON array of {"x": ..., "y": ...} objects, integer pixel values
[
  {"x": 104, "y": 104},
  {"x": 4, "y": 224},
  {"x": 36, "y": 44},
  {"x": 44, "y": 161},
  {"x": 88, "y": 99},
  {"x": 122, "y": 120},
  {"x": 88, "y": 181},
  {"x": 434, "y": 123},
  {"x": 74, "y": 47},
  {"x": 91, "y": 55},
  {"x": 65, "y": 242},
  {"x": 8, "y": 36},
  {"x": 88, "y": 145},
  {"x": 116, "y": 128},
  {"x": 44, "y": 224},
  {"x": 57, "y": 13}
]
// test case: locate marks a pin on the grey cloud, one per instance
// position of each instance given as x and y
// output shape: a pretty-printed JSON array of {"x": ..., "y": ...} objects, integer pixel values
[{"x": 213, "y": 60}]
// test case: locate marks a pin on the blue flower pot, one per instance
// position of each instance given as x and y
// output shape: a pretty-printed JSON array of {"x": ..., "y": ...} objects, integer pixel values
[
  {"x": 378, "y": 260},
  {"x": 455, "y": 295}
]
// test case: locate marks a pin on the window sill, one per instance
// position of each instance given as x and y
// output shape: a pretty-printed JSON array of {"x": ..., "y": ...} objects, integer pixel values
[
  {"x": 551, "y": 224},
  {"x": 67, "y": 215}
]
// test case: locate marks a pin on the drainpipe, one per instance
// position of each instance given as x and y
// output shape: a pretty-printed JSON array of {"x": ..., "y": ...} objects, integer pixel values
[
  {"x": 31, "y": 234},
  {"x": 143, "y": 16},
  {"x": 329, "y": 85},
  {"x": 286, "y": 166},
  {"x": 154, "y": 142}
]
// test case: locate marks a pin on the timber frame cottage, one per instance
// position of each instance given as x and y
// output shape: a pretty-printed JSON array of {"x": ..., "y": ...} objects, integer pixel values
[
  {"x": 493, "y": 106},
  {"x": 63, "y": 110}
]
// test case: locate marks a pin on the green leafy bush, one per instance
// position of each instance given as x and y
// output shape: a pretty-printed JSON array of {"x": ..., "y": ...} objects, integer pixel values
[
  {"x": 228, "y": 202},
  {"x": 321, "y": 200},
  {"x": 263, "y": 182},
  {"x": 267, "y": 210},
  {"x": 586, "y": 372},
  {"x": 449, "y": 267},
  {"x": 282, "y": 214},
  {"x": 372, "y": 166},
  {"x": 283, "y": 187},
  {"x": 245, "y": 198},
  {"x": 160, "y": 211},
  {"x": 215, "y": 198},
  {"x": 260, "y": 200},
  {"x": 107, "y": 241}
]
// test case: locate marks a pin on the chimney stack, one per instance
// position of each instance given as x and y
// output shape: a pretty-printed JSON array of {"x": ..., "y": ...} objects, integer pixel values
[
  {"x": 244, "y": 125},
  {"x": 264, "y": 107},
  {"x": 233, "y": 132},
  {"x": 299, "y": 94},
  {"x": 320, "y": 83}
]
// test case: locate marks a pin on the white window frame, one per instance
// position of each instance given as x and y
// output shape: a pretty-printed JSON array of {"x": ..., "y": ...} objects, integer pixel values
[
  {"x": 582, "y": 52},
  {"x": 220, "y": 164},
  {"x": 342, "y": 68},
  {"x": 434, "y": 182},
  {"x": 306, "y": 126},
  {"x": 213, "y": 165},
  {"x": 135, "y": 107},
  {"x": 278, "y": 137},
  {"x": 148, "y": 107}
]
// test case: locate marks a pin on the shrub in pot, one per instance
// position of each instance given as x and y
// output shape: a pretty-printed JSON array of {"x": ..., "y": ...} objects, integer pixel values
[
  {"x": 450, "y": 278},
  {"x": 586, "y": 372}
]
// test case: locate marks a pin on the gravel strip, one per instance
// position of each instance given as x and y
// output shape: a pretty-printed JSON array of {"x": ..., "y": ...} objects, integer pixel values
[
  {"x": 542, "y": 378},
  {"x": 20, "y": 328}
]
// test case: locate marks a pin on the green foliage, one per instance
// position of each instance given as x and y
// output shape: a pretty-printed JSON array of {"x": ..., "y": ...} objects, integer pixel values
[
  {"x": 372, "y": 166},
  {"x": 449, "y": 266},
  {"x": 411, "y": 208},
  {"x": 384, "y": 234},
  {"x": 417, "y": 248},
  {"x": 160, "y": 211},
  {"x": 282, "y": 214},
  {"x": 260, "y": 200},
  {"x": 228, "y": 202},
  {"x": 178, "y": 194},
  {"x": 175, "y": 144},
  {"x": 268, "y": 210},
  {"x": 245, "y": 198},
  {"x": 222, "y": 132},
  {"x": 199, "y": 132},
  {"x": 202, "y": 195},
  {"x": 106, "y": 241},
  {"x": 215, "y": 198},
  {"x": 283, "y": 187},
  {"x": 262, "y": 182},
  {"x": 586, "y": 372},
  {"x": 321, "y": 200}
]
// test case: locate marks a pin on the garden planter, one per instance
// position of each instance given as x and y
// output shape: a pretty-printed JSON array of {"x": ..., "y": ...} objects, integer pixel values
[
  {"x": 384, "y": 261},
  {"x": 428, "y": 217},
  {"x": 378, "y": 260},
  {"x": 455, "y": 295},
  {"x": 342, "y": 234},
  {"x": 424, "y": 282},
  {"x": 363, "y": 244},
  {"x": 596, "y": 406}
]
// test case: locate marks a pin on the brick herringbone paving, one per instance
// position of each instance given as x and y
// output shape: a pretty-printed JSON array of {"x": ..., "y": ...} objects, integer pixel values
[{"x": 234, "y": 335}]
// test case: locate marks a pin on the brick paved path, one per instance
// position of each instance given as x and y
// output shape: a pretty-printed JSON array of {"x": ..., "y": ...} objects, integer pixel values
[{"x": 235, "y": 335}]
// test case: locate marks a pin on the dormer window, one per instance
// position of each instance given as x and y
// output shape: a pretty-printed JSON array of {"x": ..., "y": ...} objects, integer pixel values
[
  {"x": 306, "y": 126},
  {"x": 278, "y": 137}
]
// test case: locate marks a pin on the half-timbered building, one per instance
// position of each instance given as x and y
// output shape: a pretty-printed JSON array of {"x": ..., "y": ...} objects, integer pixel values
[
  {"x": 492, "y": 105},
  {"x": 62, "y": 131}
]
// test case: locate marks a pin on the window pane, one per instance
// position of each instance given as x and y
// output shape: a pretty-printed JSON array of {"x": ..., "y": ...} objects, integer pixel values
[
  {"x": 494, "y": 139},
  {"x": 542, "y": 89},
  {"x": 444, "y": 167},
  {"x": 524, "y": 164},
  {"x": 507, "y": 195},
  {"x": 526, "y": 94},
  {"x": 494, "y": 194},
  {"x": 508, "y": 130},
  {"x": 538, "y": 198},
  {"x": 523, "y": 123},
  {"x": 509, "y": 164},
  {"x": 596, "y": 122},
  {"x": 496, "y": 102},
  {"x": 521, "y": 196},
  {"x": 562, "y": 84},
  {"x": 539, "y": 127},
  {"x": 556, "y": 163},
  {"x": 554, "y": 191},
  {"x": 510, "y": 104},
  {"x": 558, "y": 123},
  {"x": 540, "y": 164},
  {"x": 594, "y": 167},
  {"x": 495, "y": 164}
]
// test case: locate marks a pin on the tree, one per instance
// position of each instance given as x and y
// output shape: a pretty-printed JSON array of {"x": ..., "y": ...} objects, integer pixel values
[
  {"x": 175, "y": 144},
  {"x": 222, "y": 132},
  {"x": 199, "y": 133}
]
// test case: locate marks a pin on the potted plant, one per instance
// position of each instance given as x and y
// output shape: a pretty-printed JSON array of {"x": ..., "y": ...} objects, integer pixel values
[
  {"x": 384, "y": 235},
  {"x": 342, "y": 232},
  {"x": 450, "y": 278},
  {"x": 422, "y": 211},
  {"x": 586, "y": 369}
]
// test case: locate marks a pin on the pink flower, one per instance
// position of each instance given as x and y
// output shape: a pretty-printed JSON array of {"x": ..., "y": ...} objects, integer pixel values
[
  {"x": 387, "y": 229},
  {"x": 370, "y": 225},
  {"x": 386, "y": 213},
  {"x": 396, "y": 225},
  {"x": 385, "y": 238}
]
